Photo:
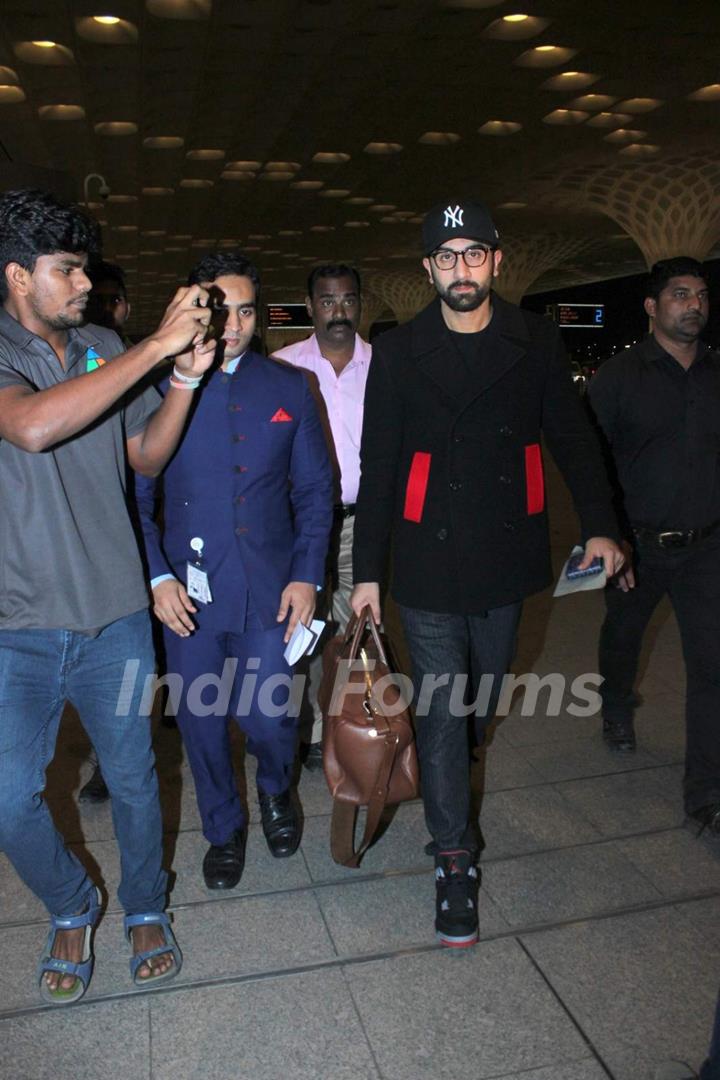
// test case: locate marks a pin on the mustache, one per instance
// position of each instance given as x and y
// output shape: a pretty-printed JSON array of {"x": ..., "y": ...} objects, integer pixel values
[
  {"x": 464, "y": 283},
  {"x": 339, "y": 322}
]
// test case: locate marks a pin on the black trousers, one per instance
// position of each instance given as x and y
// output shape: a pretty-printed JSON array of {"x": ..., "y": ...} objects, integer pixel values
[
  {"x": 450, "y": 654},
  {"x": 691, "y": 578}
]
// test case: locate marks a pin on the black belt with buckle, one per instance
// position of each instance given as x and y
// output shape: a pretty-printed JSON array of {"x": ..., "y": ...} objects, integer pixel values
[
  {"x": 345, "y": 510},
  {"x": 673, "y": 538}
]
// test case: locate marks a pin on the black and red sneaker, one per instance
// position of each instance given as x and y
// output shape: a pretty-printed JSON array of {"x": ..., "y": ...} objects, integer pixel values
[{"x": 456, "y": 898}]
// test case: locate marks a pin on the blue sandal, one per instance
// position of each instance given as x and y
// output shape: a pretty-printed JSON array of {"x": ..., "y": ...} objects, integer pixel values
[
  {"x": 82, "y": 971},
  {"x": 171, "y": 946}
]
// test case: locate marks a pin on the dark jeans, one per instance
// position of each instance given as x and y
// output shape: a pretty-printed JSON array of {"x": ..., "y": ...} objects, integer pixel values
[
  {"x": 711, "y": 1068},
  {"x": 448, "y": 646},
  {"x": 691, "y": 578}
]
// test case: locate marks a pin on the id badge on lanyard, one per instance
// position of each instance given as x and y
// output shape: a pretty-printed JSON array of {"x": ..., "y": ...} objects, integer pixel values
[{"x": 198, "y": 584}]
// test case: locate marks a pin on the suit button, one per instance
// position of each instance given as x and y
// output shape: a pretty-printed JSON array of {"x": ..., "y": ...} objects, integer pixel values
[
  {"x": 241, "y": 530},
  {"x": 458, "y": 438},
  {"x": 241, "y": 468},
  {"x": 508, "y": 526},
  {"x": 505, "y": 430},
  {"x": 504, "y": 479},
  {"x": 239, "y": 438},
  {"x": 239, "y": 499},
  {"x": 235, "y": 408},
  {"x": 455, "y": 485},
  {"x": 442, "y": 534}
]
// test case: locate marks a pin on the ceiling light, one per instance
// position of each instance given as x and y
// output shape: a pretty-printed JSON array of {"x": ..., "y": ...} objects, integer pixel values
[
  {"x": 276, "y": 175},
  {"x": 439, "y": 138},
  {"x": 205, "y": 155},
  {"x": 158, "y": 191},
  {"x": 106, "y": 30},
  {"x": 705, "y": 93},
  {"x": 289, "y": 232},
  {"x": 174, "y": 249},
  {"x": 185, "y": 237},
  {"x": 61, "y": 112},
  {"x": 8, "y": 77},
  {"x": 243, "y": 166},
  {"x": 307, "y": 185},
  {"x": 640, "y": 104},
  {"x": 545, "y": 56},
  {"x": 282, "y": 166},
  {"x": 11, "y": 95},
  {"x": 125, "y": 228},
  {"x": 625, "y": 135},
  {"x": 122, "y": 198},
  {"x": 383, "y": 148},
  {"x": 515, "y": 27},
  {"x": 360, "y": 200},
  {"x": 116, "y": 127},
  {"x": 325, "y": 157},
  {"x": 637, "y": 150},
  {"x": 592, "y": 101},
  {"x": 322, "y": 228},
  {"x": 148, "y": 253},
  {"x": 609, "y": 120},
  {"x": 163, "y": 142},
  {"x": 43, "y": 52},
  {"x": 383, "y": 208},
  {"x": 153, "y": 232},
  {"x": 180, "y": 9},
  {"x": 565, "y": 117},
  {"x": 570, "y": 80},
  {"x": 236, "y": 174},
  {"x": 512, "y": 206},
  {"x": 259, "y": 236},
  {"x": 357, "y": 224},
  {"x": 193, "y": 182},
  {"x": 500, "y": 127},
  {"x": 334, "y": 193}
]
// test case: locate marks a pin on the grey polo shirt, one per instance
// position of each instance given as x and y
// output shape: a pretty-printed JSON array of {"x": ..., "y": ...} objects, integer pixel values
[{"x": 68, "y": 554}]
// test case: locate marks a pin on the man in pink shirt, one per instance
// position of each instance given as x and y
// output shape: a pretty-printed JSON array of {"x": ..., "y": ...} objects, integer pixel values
[{"x": 339, "y": 358}]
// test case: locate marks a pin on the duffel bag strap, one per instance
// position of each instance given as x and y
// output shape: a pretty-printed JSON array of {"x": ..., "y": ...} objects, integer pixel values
[{"x": 342, "y": 825}]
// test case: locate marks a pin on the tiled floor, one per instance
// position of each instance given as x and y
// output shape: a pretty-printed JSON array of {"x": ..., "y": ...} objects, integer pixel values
[{"x": 600, "y": 950}]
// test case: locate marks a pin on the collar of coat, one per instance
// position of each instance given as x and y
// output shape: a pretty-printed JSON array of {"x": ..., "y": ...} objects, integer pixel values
[{"x": 433, "y": 348}]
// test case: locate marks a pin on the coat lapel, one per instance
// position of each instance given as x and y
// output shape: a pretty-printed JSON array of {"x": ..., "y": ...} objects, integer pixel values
[{"x": 438, "y": 358}]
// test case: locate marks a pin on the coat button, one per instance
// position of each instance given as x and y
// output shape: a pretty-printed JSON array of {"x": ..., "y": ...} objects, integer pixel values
[
  {"x": 455, "y": 485},
  {"x": 459, "y": 438},
  {"x": 239, "y": 499},
  {"x": 504, "y": 479},
  {"x": 235, "y": 408},
  {"x": 505, "y": 430},
  {"x": 239, "y": 438},
  {"x": 508, "y": 526},
  {"x": 241, "y": 468},
  {"x": 442, "y": 534},
  {"x": 241, "y": 530}
]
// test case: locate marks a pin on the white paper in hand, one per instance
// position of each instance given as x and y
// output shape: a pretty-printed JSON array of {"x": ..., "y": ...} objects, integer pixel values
[
  {"x": 581, "y": 584},
  {"x": 303, "y": 640}
]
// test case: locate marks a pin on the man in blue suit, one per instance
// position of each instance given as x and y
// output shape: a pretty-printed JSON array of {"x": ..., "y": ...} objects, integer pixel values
[{"x": 247, "y": 515}]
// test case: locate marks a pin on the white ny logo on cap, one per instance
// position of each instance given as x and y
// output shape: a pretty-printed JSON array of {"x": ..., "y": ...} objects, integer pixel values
[{"x": 453, "y": 217}]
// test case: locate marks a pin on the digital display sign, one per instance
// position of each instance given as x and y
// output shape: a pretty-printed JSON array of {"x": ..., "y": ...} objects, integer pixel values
[
  {"x": 288, "y": 317},
  {"x": 580, "y": 316}
]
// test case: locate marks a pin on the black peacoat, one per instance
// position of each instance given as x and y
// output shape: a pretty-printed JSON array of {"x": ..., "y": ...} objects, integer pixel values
[{"x": 452, "y": 473}]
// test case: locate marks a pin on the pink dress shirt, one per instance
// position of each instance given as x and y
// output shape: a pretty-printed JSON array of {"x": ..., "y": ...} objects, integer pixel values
[{"x": 343, "y": 395}]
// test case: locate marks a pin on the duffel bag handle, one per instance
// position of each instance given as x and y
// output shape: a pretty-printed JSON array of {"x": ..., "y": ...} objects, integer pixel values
[{"x": 356, "y": 628}]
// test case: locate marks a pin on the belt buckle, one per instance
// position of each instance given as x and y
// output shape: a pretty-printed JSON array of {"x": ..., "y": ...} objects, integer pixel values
[{"x": 674, "y": 538}]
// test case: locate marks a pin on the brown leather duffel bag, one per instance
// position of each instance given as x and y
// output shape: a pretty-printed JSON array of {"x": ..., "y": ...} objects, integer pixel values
[{"x": 368, "y": 740}]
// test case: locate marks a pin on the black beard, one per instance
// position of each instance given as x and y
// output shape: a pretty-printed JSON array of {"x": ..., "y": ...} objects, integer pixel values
[{"x": 465, "y": 301}]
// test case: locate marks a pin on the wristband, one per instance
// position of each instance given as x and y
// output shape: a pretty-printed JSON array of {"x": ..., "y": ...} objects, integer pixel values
[
  {"x": 181, "y": 377},
  {"x": 184, "y": 385}
]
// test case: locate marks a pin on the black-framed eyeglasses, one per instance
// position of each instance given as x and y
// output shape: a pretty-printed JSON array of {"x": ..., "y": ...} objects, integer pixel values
[{"x": 446, "y": 258}]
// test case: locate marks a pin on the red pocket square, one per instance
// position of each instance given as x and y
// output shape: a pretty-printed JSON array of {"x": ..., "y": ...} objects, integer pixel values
[{"x": 280, "y": 417}]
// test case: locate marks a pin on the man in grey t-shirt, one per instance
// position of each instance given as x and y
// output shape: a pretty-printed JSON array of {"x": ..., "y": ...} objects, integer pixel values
[{"x": 73, "y": 605}]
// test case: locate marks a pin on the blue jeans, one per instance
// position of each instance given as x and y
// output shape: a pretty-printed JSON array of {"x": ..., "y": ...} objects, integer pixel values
[
  {"x": 454, "y": 645},
  {"x": 39, "y": 671}
]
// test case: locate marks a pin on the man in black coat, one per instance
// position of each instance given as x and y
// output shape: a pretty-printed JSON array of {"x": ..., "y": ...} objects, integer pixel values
[{"x": 452, "y": 475}]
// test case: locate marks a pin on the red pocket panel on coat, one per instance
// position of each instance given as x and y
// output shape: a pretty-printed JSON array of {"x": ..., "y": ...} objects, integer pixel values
[
  {"x": 534, "y": 479},
  {"x": 416, "y": 488}
]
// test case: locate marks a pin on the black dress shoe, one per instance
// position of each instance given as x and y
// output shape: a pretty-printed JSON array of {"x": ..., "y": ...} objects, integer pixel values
[
  {"x": 311, "y": 756},
  {"x": 95, "y": 791},
  {"x": 281, "y": 823},
  {"x": 707, "y": 817},
  {"x": 619, "y": 736},
  {"x": 223, "y": 863}
]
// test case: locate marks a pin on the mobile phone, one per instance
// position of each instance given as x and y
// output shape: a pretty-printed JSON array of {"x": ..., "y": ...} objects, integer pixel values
[{"x": 573, "y": 567}]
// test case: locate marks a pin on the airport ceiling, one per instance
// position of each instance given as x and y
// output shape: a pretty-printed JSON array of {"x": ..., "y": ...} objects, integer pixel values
[{"x": 313, "y": 130}]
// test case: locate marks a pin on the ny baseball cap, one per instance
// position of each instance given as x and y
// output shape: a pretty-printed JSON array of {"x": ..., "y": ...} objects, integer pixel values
[{"x": 469, "y": 219}]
